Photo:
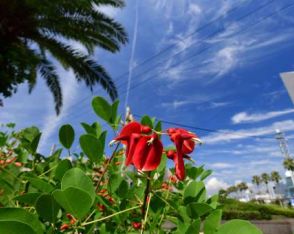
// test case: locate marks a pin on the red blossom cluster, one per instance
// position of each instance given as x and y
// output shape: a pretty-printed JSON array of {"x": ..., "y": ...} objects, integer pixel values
[
  {"x": 66, "y": 226},
  {"x": 144, "y": 149}
]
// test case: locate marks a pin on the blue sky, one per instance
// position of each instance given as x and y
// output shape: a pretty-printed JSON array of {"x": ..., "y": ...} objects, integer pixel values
[{"x": 224, "y": 77}]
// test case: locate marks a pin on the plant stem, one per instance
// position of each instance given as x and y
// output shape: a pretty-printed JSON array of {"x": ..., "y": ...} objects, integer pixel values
[
  {"x": 106, "y": 166},
  {"x": 109, "y": 216},
  {"x": 147, "y": 190},
  {"x": 146, "y": 214}
]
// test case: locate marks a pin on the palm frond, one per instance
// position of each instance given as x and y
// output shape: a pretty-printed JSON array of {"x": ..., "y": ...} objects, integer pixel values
[
  {"x": 48, "y": 72},
  {"x": 84, "y": 68}
]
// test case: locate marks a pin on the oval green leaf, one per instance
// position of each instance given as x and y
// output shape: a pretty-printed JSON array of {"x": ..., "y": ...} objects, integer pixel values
[
  {"x": 238, "y": 226},
  {"x": 195, "y": 210},
  {"x": 74, "y": 201},
  {"x": 62, "y": 167},
  {"x": 19, "y": 221},
  {"x": 92, "y": 147},
  {"x": 47, "y": 208},
  {"x": 76, "y": 178},
  {"x": 66, "y": 135},
  {"x": 102, "y": 108}
]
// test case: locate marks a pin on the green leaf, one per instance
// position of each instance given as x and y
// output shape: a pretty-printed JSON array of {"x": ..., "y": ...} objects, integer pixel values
[
  {"x": 156, "y": 203},
  {"x": 92, "y": 147},
  {"x": 195, "y": 192},
  {"x": 102, "y": 108},
  {"x": 114, "y": 108},
  {"x": 47, "y": 208},
  {"x": 114, "y": 182},
  {"x": 35, "y": 143},
  {"x": 95, "y": 129},
  {"x": 122, "y": 190},
  {"x": 19, "y": 221},
  {"x": 205, "y": 174},
  {"x": 102, "y": 139},
  {"x": 40, "y": 184},
  {"x": 194, "y": 227},
  {"x": 193, "y": 172},
  {"x": 146, "y": 120},
  {"x": 75, "y": 201},
  {"x": 30, "y": 133},
  {"x": 66, "y": 135},
  {"x": 238, "y": 226},
  {"x": 195, "y": 210},
  {"x": 212, "y": 222},
  {"x": 28, "y": 198},
  {"x": 158, "y": 127},
  {"x": 76, "y": 178},
  {"x": 88, "y": 128},
  {"x": 62, "y": 167}
]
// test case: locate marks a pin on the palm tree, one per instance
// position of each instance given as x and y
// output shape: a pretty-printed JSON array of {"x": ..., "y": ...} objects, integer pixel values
[
  {"x": 265, "y": 179},
  {"x": 289, "y": 165},
  {"x": 257, "y": 181},
  {"x": 242, "y": 187},
  {"x": 232, "y": 189},
  {"x": 34, "y": 33},
  {"x": 276, "y": 178}
]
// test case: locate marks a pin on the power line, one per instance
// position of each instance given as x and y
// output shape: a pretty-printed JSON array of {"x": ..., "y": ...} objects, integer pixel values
[
  {"x": 196, "y": 54},
  {"x": 210, "y": 35},
  {"x": 207, "y": 129},
  {"x": 171, "y": 47}
]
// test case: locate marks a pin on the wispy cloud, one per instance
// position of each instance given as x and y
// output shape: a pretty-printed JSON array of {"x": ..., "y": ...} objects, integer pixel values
[
  {"x": 221, "y": 165},
  {"x": 244, "y": 117},
  {"x": 224, "y": 136}
]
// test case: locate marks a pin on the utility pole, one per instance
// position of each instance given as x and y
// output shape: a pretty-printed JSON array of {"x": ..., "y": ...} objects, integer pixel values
[{"x": 282, "y": 143}]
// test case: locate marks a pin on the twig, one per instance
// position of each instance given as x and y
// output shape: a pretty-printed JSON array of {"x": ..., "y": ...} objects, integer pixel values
[
  {"x": 109, "y": 216},
  {"x": 106, "y": 166}
]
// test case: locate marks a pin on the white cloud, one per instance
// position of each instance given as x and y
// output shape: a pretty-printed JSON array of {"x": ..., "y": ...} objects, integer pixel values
[
  {"x": 244, "y": 117},
  {"x": 221, "y": 165},
  {"x": 194, "y": 9},
  {"x": 224, "y": 136},
  {"x": 213, "y": 185}
]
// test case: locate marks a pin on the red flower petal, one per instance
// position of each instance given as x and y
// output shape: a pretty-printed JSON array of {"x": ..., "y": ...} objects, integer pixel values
[{"x": 147, "y": 155}]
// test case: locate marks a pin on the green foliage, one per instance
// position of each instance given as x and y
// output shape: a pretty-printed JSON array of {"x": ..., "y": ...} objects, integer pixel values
[
  {"x": 47, "y": 26},
  {"x": 106, "y": 111},
  {"x": 101, "y": 193},
  {"x": 66, "y": 135},
  {"x": 238, "y": 226},
  {"x": 92, "y": 147},
  {"x": 47, "y": 208},
  {"x": 19, "y": 221},
  {"x": 250, "y": 210}
]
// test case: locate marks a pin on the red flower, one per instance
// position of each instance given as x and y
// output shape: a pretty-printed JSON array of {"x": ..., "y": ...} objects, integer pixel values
[
  {"x": 136, "y": 225},
  {"x": 185, "y": 144},
  {"x": 101, "y": 207},
  {"x": 143, "y": 151},
  {"x": 64, "y": 227},
  {"x": 147, "y": 153}
]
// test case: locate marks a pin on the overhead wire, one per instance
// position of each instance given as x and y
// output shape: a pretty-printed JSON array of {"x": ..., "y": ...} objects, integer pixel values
[{"x": 219, "y": 31}]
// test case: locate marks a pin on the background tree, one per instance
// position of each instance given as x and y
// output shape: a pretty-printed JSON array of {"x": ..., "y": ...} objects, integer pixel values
[
  {"x": 32, "y": 34},
  {"x": 231, "y": 190},
  {"x": 257, "y": 181},
  {"x": 242, "y": 187},
  {"x": 276, "y": 178},
  {"x": 289, "y": 164},
  {"x": 265, "y": 179}
]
